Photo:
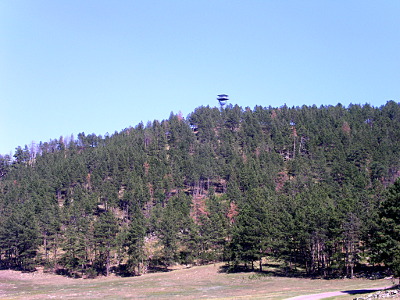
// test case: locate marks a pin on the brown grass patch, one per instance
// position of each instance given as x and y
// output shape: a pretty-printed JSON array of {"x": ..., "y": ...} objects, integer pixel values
[{"x": 204, "y": 282}]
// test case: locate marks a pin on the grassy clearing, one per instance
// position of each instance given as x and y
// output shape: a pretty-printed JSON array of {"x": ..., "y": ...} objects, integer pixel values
[{"x": 205, "y": 282}]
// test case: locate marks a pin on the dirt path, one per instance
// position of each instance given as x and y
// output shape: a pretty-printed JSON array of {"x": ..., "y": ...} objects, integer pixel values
[{"x": 340, "y": 293}]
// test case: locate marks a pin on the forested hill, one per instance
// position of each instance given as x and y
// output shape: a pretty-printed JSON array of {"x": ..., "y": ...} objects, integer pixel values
[{"x": 304, "y": 184}]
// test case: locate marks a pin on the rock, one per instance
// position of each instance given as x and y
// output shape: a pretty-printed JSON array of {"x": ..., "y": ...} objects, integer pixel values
[{"x": 391, "y": 293}]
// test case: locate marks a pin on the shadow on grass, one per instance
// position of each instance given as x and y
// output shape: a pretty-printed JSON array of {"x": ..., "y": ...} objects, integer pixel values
[
  {"x": 269, "y": 269},
  {"x": 157, "y": 269},
  {"x": 277, "y": 269},
  {"x": 364, "y": 291},
  {"x": 373, "y": 290},
  {"x": 124, "y": 270}
]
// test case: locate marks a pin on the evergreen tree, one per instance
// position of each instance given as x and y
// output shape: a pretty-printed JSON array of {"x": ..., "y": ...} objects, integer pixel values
[
  {"x": 387, "y": 241},
  {"x": 135, "y": 241},
  {"x": 105, "y": 232},
  {"x": 77, "y": 242},
  {"x": 19, "y": 237},
  {"x": 213, "y": 229},
  {"x": 250, "y": 232},
  {"x": 168, "y": 233}
]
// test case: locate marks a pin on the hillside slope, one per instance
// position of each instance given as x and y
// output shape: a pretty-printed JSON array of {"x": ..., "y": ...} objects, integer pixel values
[{"x": 303, "y": 184}]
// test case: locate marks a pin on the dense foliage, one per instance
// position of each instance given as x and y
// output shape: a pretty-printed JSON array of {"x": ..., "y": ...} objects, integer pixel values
[{"x": 303, "y": 184}]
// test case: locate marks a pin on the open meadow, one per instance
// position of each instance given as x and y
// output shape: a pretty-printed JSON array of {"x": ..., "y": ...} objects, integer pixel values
[{"x": 203, "y": 282}]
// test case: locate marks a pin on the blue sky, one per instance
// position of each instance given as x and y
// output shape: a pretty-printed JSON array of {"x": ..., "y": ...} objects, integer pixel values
[{"x": 100, "y": 66}]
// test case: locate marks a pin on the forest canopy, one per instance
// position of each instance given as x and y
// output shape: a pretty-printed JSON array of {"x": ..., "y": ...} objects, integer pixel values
[{"x": 313, "y": 186}]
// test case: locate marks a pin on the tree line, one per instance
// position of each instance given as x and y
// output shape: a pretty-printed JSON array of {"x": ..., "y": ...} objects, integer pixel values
[{"x": 313, "y": 186}]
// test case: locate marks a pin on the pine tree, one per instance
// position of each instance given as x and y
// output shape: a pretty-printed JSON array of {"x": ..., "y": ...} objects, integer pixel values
[
  {"x": 135, "y": 241},
  {"x": 213, "y": 229},
  {"x": 387, "y": 242},
  {"x": 76, "y": 244},
  {"x": 105, "y": 231},
  {"x": 19, "y": 237},
  {"x": 251, "y": 230},
  {"x": 168, "y": 233}
]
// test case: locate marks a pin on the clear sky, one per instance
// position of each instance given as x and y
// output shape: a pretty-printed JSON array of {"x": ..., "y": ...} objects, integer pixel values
[{"x": 71, "y": 66}]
